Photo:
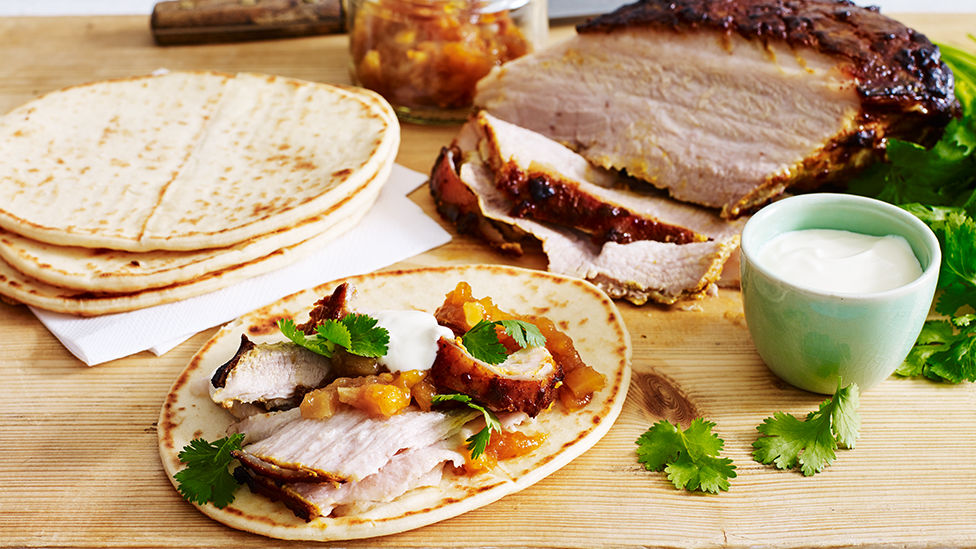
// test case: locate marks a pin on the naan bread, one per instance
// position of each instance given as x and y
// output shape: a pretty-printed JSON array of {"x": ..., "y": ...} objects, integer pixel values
[
  {"x": 186, "y": 160},
  {"x": 577, "y": 307}
]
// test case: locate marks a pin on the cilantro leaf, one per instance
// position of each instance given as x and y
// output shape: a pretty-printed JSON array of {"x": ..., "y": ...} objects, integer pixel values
[
  {"x": 933, "y": 335},
  {"x": 810, "y": 443},
  {"x": 331, "y": 333},
  {"x": 690, "y": 457},
  {"x": 206, "y": 478},
  {"x": 366, "y": 337},
  {"x": 524, "y": 333},
  {"x": 958, "y": 238},
  {"x": 357, "y": 333},
  {"x": 955, "y": 360},
  {"x": 288, "y": 328},
  {"x": 481, "y": 341},
  {"x": 946, "y": 349},
  {"x": 478, "y": 442},
  {"x": 953, "y": 298}
]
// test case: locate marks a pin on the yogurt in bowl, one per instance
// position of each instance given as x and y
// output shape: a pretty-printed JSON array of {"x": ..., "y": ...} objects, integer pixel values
[{"x": 836, "y": 287}]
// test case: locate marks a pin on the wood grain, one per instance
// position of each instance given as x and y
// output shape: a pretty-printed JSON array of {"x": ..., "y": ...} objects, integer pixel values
[{"x": 78, "y": 461}]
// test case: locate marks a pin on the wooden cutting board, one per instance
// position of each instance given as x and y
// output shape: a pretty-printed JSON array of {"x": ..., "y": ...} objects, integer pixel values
[{"x": 78, "y": 461}]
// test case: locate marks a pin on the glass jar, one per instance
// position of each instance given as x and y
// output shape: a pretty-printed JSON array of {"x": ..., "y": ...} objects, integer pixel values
[{"x": 425, "y": 56}]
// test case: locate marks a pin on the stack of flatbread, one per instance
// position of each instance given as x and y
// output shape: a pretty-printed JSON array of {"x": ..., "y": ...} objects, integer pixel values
[{"x": 125, "y": 194}]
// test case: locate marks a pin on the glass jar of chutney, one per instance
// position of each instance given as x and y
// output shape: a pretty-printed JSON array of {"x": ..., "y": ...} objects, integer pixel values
[{"x": 426, "y": 56}]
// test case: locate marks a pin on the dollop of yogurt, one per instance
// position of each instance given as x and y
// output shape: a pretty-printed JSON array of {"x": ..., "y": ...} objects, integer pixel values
[
  {"x": 413, "y": 339},
  {"x": 840, "y": 261}
]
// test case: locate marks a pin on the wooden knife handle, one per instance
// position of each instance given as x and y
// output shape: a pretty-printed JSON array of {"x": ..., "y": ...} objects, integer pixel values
[{"x": 211, "y": 21}]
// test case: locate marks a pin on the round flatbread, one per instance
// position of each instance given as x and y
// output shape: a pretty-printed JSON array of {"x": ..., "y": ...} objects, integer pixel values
[
  {"x": 118, "y": 271},
  {"x": 185, "y": 160},
  {"x": 19, "y": 288},
  {"x": 577, "y": 307}
]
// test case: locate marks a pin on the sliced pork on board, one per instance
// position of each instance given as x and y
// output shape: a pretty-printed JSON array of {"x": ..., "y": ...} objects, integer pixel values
[
  {"x": 727, "y": 104},
  {"x": 506, "y": 184}
]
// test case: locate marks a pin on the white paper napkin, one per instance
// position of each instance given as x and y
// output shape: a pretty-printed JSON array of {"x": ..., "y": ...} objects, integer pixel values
[{"x": 395, "y": 229}]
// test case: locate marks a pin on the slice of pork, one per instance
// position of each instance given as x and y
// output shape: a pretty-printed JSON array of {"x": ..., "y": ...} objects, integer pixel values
[
  {"x": 726, "y": 104},
  {"x": 525, "y": 382},
  {"x": 639, "y": 271},
  {"x": 531, "y": 168},
  {"x": 407, "y": 470},
  {"x": 268, "y": 376},
  {"x": 347, "y": 447},
  {"x": 548, "y": 182},
  {"x": 331, "y": 307}
]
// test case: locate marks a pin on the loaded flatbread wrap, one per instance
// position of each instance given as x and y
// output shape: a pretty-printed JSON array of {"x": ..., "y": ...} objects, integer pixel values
[{"x": 358, "y": 472}]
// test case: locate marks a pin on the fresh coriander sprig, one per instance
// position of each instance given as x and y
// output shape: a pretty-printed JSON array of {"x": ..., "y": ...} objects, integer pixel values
[
  {"x": 478, "y": 442},
  {"x": 946, "y": 349},
  {"x": 810, "y": 443},
  {"x": 357, "y": 333},
  {"x": 206, "y": 478},
  {"x": 690, "y": 457},
  {"x": 481, "y": 341}
]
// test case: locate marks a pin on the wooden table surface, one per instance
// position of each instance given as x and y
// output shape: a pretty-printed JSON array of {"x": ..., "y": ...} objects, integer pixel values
[{"x": 78, "y": 459}]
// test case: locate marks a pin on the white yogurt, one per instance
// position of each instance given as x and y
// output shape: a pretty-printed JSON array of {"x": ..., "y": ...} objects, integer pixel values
[
  {"x": 840, "y": 261},
  {"x": 413, "y": 339}
]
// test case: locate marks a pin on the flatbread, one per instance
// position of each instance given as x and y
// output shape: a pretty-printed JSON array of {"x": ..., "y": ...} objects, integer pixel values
[
  {"x": 577, "y": 307},
  {"x": 19, "y": 288},
  {"x": 116, "y": 271},
  {"x": 185, "y": 160}
]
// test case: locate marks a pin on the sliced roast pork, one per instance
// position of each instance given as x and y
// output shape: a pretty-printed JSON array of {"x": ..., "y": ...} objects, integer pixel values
[
  {"x": 407, "y": 470},
  {"x": 525, "y": 382},
  {"x": 346, "y": 447},
  {"x": 267, "y": 376},
  {"x": 549, "y": 182},
  {"x": 331, "y": 307},
  {"x": 466, "y": 192},
  {"x": 727, "y": 104}
]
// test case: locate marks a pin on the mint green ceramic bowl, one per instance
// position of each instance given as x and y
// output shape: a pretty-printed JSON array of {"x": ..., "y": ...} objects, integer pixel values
[{"x": 810, "y": 338}]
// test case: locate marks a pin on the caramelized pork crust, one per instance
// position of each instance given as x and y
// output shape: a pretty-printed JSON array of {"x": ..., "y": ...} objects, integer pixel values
[
  {"x": 331, "y": 307},
  {"x": 897, "y": 69},
  {"x": 545, "y": 193},
  {"x": 545, "y": 197},
  {"x": 460, "y": 206},
  {"x": 526, "y": 383},
  {"x": 219, "y": 378},
  {"x": 276, "y": 491}
]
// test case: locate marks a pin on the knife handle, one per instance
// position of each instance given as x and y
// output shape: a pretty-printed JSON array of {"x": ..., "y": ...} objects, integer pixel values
[{"x": 179, "y": 22}]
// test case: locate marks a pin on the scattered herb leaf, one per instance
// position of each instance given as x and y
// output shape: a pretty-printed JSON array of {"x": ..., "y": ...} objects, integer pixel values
[
  {"x": 810, "y": 443},
  {"x": 690, "y": 458},
  {"x": 357, "y": 333},
  {"x": 206, "y": 478},
  {"x": 481, "y": 341},
  {"x": 478, "y": 442}
]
